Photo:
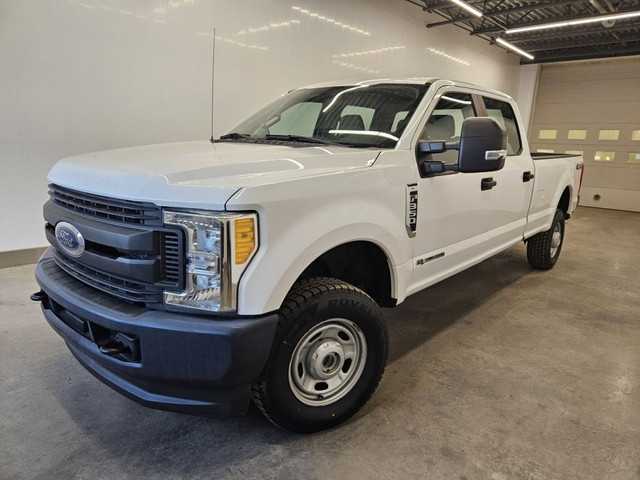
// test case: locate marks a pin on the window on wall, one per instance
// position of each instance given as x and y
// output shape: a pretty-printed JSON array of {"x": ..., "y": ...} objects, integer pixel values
[
  {"x": 608, "y": 134},
  {"x": 506, "y": 117},
  {"x": 602, "y": 156},
  {"x": 633, "y": 157},
  {"x": 574, "y": 152},
  {"x": 577, "y": 135},
  {"x": 635, "y": 135},
  {"x": 547, "y": 134},
  {"x": 445, "y": 122},
  {"x": 545, "y": 150}
]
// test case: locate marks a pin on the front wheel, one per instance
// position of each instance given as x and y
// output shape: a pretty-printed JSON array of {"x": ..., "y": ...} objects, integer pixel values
[
  {"x": 543, "y": 249},
  {"x": 328, "y": 356}
]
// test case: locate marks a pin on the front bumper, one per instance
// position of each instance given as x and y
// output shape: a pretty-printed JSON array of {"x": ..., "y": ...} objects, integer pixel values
[{"x": 178, "y": 362}]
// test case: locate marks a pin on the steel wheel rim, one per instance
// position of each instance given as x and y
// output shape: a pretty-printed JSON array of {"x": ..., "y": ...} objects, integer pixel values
[
  {"x": 556, "y": 240},
  {"x": 327, "y": 362}
]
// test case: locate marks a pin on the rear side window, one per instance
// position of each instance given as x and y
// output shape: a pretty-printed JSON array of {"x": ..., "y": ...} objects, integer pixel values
[{"x": 506, "y": 117}]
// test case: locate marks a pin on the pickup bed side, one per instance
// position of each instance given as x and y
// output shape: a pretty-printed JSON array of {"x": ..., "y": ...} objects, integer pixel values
[{"x": 557, "y": 180}]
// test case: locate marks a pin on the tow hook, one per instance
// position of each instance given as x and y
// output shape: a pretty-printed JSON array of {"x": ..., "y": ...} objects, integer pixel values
[
  {"x": 113, "y": 348},
  {"x": 38, "y": 296},
  {"x": 120, "y": 344}
]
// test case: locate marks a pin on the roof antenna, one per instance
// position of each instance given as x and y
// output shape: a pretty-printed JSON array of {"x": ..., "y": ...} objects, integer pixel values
[{"x": 213, "y": 71}]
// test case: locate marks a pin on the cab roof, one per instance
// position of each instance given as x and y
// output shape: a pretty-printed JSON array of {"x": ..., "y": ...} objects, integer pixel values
[{"x": 405, "y": 81}]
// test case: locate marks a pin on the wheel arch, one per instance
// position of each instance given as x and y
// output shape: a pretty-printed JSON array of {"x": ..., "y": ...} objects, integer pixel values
[
  {"x": 272, "y": 280},
  {"x": 565, "y": 201},
  {"x": 367, "y": 268}
]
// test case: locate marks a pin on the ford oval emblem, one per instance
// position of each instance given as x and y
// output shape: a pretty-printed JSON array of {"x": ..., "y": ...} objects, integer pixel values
[{"x": 69, "y": 239}]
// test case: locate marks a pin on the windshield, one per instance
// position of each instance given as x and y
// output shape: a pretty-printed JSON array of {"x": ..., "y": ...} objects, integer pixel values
[{"x": 362, "y": 116}]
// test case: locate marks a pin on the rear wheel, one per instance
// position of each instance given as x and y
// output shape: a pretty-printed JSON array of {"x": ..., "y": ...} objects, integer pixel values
[
  {"x": 543, "y": 249},
  {"x": 327, "y": 359}
]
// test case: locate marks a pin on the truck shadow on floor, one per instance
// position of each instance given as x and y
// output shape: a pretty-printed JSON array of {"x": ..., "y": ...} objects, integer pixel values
[
  {"x": 103, "y": 428},
  {"x": 429, "y": 312}
]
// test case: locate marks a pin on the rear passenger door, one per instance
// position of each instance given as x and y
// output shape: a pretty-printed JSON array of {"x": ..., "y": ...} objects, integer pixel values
[{"x": 511, "y": 197}]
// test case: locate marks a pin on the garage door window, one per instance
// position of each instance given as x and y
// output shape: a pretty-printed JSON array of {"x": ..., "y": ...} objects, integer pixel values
[
  {"x": 608, "y": 134},
  {"x": 633, "y": 157},
  {"x": 577, "y": 135},
  {"x": 547, "y": 134},
  {"x": 601, "y": 156}
]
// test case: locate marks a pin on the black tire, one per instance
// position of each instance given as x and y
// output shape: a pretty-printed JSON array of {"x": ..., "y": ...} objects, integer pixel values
[
  {"x": 543, "y": 249},
  {"x": 325, "y": 326}
]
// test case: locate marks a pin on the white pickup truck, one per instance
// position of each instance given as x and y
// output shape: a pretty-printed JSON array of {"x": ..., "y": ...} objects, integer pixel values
[{"x": 194, "y": 276}]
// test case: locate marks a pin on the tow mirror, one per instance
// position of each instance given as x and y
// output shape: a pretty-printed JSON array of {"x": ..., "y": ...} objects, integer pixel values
[
  {"x": 431, "y": 147},
  {"x": 483, "y": 145},
  {"x": 432, "y": 168},
  {"x": 424, "y": 151}
]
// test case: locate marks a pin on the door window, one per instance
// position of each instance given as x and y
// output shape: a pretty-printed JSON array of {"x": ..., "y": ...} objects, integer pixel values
[
  {"x": 445, "y": 123},
  {"x": 506, "y": 117}
]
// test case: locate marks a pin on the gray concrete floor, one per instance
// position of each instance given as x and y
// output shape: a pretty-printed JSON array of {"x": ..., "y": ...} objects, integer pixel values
[{"x": 500, "y": 372}]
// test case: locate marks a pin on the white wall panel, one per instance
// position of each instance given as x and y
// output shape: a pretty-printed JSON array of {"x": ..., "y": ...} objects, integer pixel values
[{"x": 84, "y": 75}]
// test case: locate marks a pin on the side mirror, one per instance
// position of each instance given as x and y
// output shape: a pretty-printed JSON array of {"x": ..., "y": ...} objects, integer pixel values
[
  {"x": 432, "y": 168},
  {"x": 483, "y": 145},
  {"x": 425, "y": 148}
]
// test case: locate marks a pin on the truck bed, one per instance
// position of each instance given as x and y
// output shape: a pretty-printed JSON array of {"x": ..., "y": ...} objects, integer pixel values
[{"x": 548, "y": 156}]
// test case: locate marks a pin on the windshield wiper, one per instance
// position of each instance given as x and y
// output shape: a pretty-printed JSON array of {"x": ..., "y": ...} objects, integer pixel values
[
  {"x": 301, "y": 139},
  {"x": 236, "y": 136}
]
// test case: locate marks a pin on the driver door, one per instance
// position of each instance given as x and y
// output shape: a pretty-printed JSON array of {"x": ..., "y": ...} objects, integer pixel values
[{"x": 454, "y": 213}]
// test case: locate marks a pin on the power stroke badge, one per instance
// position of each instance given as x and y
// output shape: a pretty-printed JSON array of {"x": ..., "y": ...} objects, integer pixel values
[{"x": 69, "y": 239}]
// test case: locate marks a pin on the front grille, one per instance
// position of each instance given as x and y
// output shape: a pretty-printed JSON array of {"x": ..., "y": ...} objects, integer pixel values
[
  {"x": 121, "y": 211},
  {"x": 122, "y": 288},
  {"x": 171, "y": 267},
  {"x": 129, "y": 232}
]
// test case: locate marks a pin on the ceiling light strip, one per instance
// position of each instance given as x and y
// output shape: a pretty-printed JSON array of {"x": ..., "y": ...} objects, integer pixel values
[
  {"x": 581, "y": 21},
  {"x": 519, "y": 51},
  {"x": 467, "y": 7}
]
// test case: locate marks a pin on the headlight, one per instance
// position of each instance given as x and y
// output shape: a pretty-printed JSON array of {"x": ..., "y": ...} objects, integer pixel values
[{"x": 219, "y": 247}]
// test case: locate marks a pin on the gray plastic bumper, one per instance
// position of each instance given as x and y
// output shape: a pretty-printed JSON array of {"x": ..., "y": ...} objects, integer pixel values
[{"x": 178, "y": 362}]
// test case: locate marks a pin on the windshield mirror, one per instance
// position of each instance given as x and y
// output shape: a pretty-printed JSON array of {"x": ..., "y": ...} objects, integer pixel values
[{"x": 362, "y": 115}]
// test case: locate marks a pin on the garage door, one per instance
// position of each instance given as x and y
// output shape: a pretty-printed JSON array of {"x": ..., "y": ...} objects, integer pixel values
[{"x": 593, "y": 108}]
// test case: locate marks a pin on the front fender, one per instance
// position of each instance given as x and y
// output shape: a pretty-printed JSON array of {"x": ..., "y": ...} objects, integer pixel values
[{"x": 301, "y": 220}]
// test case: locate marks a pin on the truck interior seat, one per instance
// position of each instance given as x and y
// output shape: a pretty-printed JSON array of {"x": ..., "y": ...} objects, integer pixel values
[
  {"x": 351, "y": 122},
  {"x": 401, "y": 125},
  {"x": 441, "y": 127}
]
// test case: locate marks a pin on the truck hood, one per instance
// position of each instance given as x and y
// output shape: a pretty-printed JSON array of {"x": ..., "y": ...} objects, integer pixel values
[{"x": 199, "y": 174}]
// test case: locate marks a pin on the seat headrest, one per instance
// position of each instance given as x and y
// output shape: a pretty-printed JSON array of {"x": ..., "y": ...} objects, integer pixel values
[
  {"x": 351, "y": 122},
  {"x": 401, "y": 125},
  {"x": 440, "y": 127}
]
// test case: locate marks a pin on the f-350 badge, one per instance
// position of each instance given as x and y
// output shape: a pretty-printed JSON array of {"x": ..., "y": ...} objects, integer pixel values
[{"x": 411, "y": 218}]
